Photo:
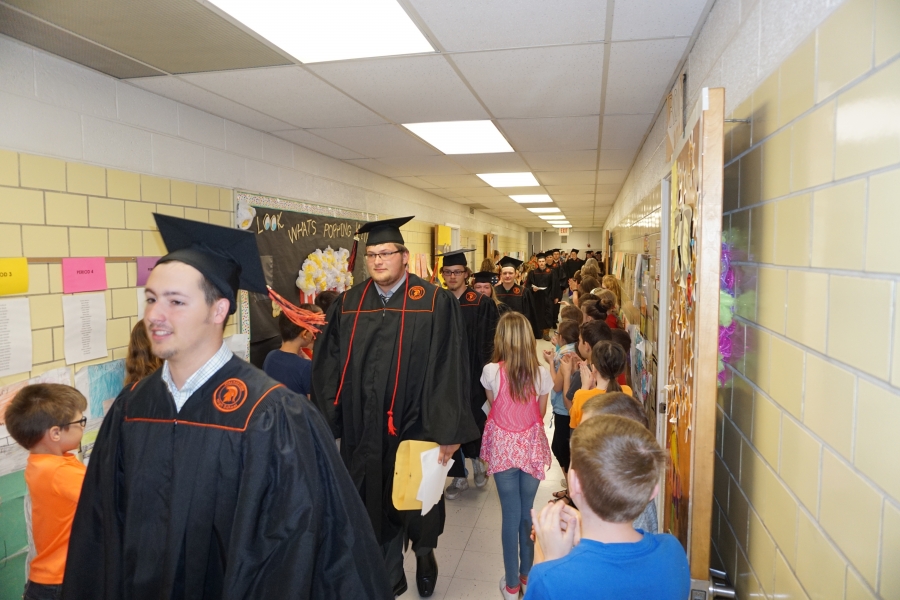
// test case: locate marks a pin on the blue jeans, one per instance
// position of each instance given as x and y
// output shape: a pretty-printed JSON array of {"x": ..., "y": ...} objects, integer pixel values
[{"x": 517, "y": 490}]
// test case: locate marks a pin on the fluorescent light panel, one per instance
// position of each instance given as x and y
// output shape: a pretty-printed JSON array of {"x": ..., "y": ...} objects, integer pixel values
[
  {"x": 462, "y": 137},
  {"x": 323, "y": 30},
  {"x": 509, "y": 179},
  {"x": 561, "y": 225},
  {"x": 545, "y": 210},
  {"x": 531, "y": 198},
  {"x": 552, "y": 217}
]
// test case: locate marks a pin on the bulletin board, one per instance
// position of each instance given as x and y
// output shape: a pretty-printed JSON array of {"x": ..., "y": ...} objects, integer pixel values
[
  {"x": 692, "y": 329},
  {"x": 289, "y": 234}
]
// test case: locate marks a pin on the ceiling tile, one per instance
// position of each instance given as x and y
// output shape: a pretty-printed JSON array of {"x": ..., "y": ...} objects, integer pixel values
[
  {"x": 408, "y": 89},
  {"x": 553, "y": 190},
  {"x": 376, "y": 141},
  {"x": 503, "y": 162},
  {"x": 552, "y": 134},
  {"x": 370, "y": 164},
  {"x": 605, "y": 199},
  {"x": 639, "y": 74},
  {"x": 466, "y": 25},
  {"x": 448, "y": 181},
  {"x": 567, "y": 177},
  {"x": 423, "y": 165},
  {"x": 177, "y": 89},
  {"x": 616, "y": 176},
  {"x": 570, "y": 199},
  {"x": 415, "y": 182},
  {"x": 445, "y": 194},
  {"x": 624, "y": 131},
  {"x": 609, "y": 188},
  {"x": 639, "y": 19},
  {"x": 573, "y": 160},
  {"x": 303, "y": 138},
  {"x": 289, "y": 94},
  {"x": 476, "y": 192},
  {"x": 617, "y": 158},
  {"x": 558, "y": 81}
]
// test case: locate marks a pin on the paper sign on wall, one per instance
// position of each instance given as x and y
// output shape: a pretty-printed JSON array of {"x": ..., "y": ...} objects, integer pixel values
[
  {"x": 145, "y": 264},
  {"x": 13, "y": 276},
  {"x": 15, "y": 336},
  {"x": 83, "y": 274},
  {"x": 84, "y": 321}
]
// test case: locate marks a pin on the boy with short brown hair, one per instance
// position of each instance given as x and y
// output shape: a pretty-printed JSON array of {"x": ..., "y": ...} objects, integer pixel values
[
  {"x": 47, "y": 419},
  {"x": 614, "y": 473}
]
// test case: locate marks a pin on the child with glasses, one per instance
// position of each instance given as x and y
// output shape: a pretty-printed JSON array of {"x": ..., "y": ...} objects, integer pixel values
[{"x": 47, "y": 419}]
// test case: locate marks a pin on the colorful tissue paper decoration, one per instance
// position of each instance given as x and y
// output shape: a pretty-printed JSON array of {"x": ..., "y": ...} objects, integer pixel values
[
  {"x": 727, "y": 325},
  {"x": 324, "y": 270}
]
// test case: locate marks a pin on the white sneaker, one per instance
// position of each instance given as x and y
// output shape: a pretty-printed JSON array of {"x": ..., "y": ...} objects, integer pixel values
[
  {"x": 480, "y": 472},
  {"x": 459, "y": 485},
  {"x": 506, "y": 595}
]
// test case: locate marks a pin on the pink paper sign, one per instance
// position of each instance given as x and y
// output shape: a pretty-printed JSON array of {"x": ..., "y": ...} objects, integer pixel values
[
  {"x": 145, "y": 264},
  {"x": 83, "y": 274}
]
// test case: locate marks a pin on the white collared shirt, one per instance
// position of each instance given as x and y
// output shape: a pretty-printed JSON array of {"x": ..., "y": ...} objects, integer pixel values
[
  {"x": 388, "y": 294},
  {"x": 201, "y": 376}
]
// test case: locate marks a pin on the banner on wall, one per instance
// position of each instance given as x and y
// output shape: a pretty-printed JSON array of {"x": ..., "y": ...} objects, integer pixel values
[{"x": 296, "y": 243}]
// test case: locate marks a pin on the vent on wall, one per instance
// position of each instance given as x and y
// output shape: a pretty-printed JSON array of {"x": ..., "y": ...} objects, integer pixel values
[{"x": 563, "y": 239}]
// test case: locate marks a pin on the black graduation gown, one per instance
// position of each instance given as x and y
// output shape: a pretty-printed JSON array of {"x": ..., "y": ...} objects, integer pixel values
[
  {"x": 480, "y": 316},
  {"x": 432, "y": 387},
  {"x": 572, "y": 266},
  {"x": 543, "y": 299},
  {"x": 520, "y": 299},
  {"x": 241, "y": 494}
]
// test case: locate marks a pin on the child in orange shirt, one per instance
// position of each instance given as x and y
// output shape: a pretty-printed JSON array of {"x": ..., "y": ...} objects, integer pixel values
[
  {"x": 607, "y": 362},
  {"x": 47, "y": 419}
]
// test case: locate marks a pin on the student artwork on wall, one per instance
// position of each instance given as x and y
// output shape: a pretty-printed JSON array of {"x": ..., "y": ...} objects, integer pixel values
[{"x": 305, "y": 250}]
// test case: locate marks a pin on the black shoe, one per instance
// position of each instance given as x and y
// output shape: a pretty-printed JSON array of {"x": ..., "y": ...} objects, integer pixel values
[
  {"x": 400, "y": 587},
  {"x": 426, "y": 574}
]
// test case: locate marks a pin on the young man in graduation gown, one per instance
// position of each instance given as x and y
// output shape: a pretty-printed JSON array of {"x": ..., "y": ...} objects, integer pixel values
[
  {"x": 541, "y": 282},
  {"x": 554, "y": 261},
  {"x": 572, "y": 265},
  {"x": 208, "y": 479},
  {"x": 392, "y": 364},
  {"x": 480, "y": 315},
  {"x": 516, "y": 297}
]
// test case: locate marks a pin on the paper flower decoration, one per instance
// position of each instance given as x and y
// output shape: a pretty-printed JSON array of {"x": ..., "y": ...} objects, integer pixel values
[
  {"x": 245, "y": 214},
  {"x": 325, "y": 270}
]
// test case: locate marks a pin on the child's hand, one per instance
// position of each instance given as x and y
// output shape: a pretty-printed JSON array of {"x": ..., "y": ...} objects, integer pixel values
[
  {"x": 548, "y": 356},
  {"x": 555, "y": 541},
  {"x": 587, "y": 377}
]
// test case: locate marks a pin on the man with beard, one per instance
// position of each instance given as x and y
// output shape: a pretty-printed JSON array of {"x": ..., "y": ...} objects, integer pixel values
[{"x": 391, "y": 365}]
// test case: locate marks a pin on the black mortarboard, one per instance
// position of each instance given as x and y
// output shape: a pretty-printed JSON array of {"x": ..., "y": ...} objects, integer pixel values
[
  {"x": 541, "y": 255},
  {"x": 228, "y": 258},
  {"x": 485, "y": 277},
  {"x": 509, "y": 261},
  {"x": 385, "y": 231},
  {"x": 455, "y": 258},
  {"x": 552, "y": 251},
  {"x": 575, "y": 250}
]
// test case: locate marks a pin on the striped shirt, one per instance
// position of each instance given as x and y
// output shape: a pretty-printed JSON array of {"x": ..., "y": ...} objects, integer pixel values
[{"x": 196, "y": 380}]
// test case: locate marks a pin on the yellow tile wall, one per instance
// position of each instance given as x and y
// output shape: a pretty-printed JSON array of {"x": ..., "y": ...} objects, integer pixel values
[
  {"x": 50, "y": 208},
  {"x": 809, "y": 505}
]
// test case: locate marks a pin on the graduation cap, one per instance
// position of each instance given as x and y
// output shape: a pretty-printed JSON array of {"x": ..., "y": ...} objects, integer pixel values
[
  {"x": 456, "y": 258},
  {"x": 380, "y": 232},
  {"x": 509, "y": 261},
  {"x": 228, "y": 258},
  {"x": 575, "y": 250},
  {"x": 541, "y": 255},
  {"x": 485, "y": 277},
  {"x": 553, "y": 251}
]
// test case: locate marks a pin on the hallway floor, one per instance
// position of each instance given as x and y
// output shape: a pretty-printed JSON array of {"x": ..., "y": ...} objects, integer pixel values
[{"x": 469, "y": 553}]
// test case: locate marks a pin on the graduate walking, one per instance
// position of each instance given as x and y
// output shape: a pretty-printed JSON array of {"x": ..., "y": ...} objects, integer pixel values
[
  {"x": 541, "y": 281},
  {"x": 209, "y": 479},
  {"x": 391, "y": 365}
]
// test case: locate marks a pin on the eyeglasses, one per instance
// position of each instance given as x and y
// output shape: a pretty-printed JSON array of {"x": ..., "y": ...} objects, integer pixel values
[
  {"x": 448, "y": 273},
  {"x": 82, "y": 421},
  {"x": 381, "y": 255}
]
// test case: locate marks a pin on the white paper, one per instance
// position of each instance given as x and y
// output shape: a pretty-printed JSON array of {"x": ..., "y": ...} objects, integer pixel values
[
  {"x": 434, "y": 476},
  {"x": 15, "y": 336},
  {"x": 84, "y": 319},
  {"x": 141, "y": 302},
  {"x": 237, "y": 343}
]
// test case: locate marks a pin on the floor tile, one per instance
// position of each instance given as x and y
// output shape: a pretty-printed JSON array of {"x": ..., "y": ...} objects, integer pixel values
[
  {"x": 470, "y": 589},
  {"x": 483, "y": 566},
  {"x": 440, "y": 589},
  {"x": 485, "y": 540}
]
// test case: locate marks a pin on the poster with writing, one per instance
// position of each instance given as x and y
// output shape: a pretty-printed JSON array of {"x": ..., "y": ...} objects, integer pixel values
[
  {"x": 84, "y": 322},
  {"x": 145, "y": 264},
  {"x": 8, "y": 392},
  {"x": 100, "y": 384},
  {"x": 83, "y": 275},
  {"x": 15, "y": 336},
  {"x": 13, "y": 276},
  {"x": 288, "y": 242}
]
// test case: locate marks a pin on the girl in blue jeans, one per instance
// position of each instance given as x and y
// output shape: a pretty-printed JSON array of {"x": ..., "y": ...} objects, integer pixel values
[{"x": 514, "y": 444}]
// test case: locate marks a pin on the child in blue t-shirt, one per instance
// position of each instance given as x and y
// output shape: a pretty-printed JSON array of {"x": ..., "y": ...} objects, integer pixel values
[
  {"x": 613, "y": 475},
  {"x": 289, "y": 364}
]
